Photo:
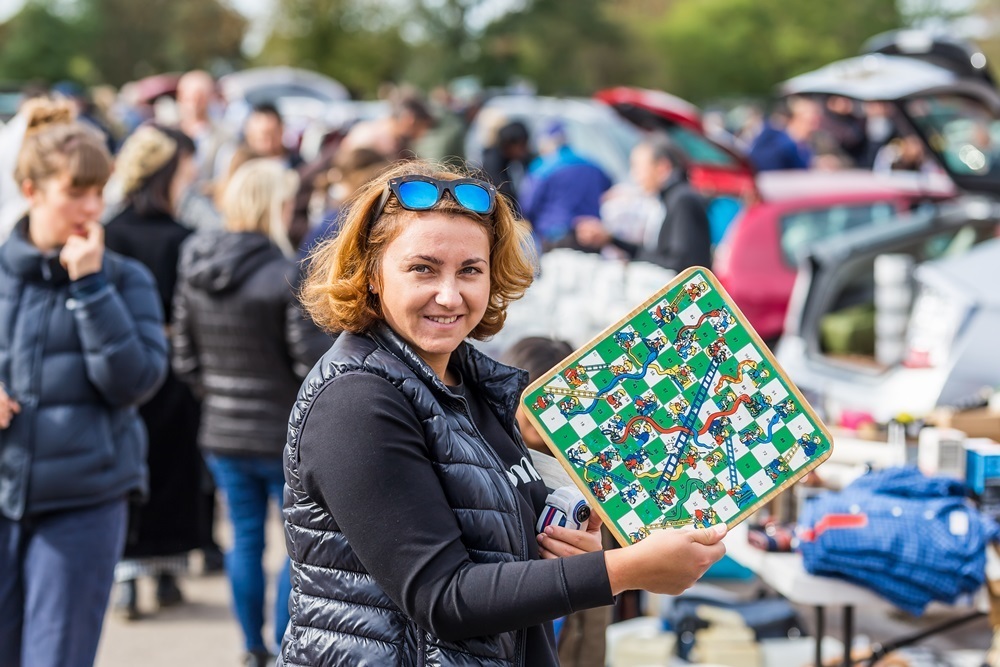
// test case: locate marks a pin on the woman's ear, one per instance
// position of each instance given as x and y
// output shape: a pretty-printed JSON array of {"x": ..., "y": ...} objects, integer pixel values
[{"x": 28, "y": 189}]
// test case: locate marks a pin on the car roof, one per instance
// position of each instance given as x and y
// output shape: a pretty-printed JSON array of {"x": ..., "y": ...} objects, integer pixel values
[
  {"x": 974, "y": 274},
  {"x": 799, "y": 185},
  {"x": 884, "y": 238},
  {"x": 871, "y": 77}
]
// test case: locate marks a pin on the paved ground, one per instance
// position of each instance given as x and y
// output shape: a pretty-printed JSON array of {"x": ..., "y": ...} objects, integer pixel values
[{"x": 203, "y": 632}]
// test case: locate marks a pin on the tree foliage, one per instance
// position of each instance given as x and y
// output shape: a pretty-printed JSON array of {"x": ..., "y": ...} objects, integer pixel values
[
  {"x": 40, "y": 45},
  {"x": 114, "y": 41},
  {"x": 711, "y": 48},
  {"x": 698, "y": 49},
  {"x": 346, "y": 40}
]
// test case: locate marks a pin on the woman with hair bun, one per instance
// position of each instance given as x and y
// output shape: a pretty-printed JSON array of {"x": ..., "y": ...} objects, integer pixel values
[
  {"x": 155, "y": 166},
  {"x": 82, "y": 345}
]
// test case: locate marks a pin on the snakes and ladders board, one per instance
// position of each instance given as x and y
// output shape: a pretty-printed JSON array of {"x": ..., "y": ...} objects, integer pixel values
[{"x": 677, "y": 415}]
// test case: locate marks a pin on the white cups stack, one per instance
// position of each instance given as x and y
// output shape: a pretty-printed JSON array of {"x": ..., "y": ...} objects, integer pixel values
[{"x": 893, "y": 297}]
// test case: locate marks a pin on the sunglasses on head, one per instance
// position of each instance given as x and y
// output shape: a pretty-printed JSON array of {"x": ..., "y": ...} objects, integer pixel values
[{"x": 422, "y": 193}]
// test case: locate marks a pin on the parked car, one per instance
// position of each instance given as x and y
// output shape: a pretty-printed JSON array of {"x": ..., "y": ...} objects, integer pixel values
[
  {"x": 946, "y": 356},
  {"x": 10, "y": 101},
  {"x": 960, "y": 56},
  {"x": 837, "y": 280},
  {"x": 716, "y": 166},
  {"x": 758, "y": 258},
  {"x": 301, "y": 96}
]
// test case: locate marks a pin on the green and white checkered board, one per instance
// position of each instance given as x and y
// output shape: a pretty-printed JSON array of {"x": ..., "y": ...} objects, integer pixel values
[{"x": 677, "y": 415}]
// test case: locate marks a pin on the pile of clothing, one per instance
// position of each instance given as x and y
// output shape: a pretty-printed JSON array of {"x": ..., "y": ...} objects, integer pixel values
[{"x": 908, "y": 537}]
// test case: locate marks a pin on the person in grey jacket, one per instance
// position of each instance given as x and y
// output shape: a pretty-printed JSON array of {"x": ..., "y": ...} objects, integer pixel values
[
  {"x": 240, "y": 339},
  {"x": 82, "y": 346}
]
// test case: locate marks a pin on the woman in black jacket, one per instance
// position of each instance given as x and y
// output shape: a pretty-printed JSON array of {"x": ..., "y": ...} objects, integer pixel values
[
  {"x": 154, "y": 168},
  {"x": 407, "y": 517},
  {"x": 240, "y": 338}
]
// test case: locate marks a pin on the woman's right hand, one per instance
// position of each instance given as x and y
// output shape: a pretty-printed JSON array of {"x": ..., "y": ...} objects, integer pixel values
[
  {"x": 8, "y": 408},
  {"x": 668, "y": 561}
]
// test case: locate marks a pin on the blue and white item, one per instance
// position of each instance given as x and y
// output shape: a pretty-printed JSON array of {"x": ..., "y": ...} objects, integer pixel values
[{"x": 565, "y": 507}]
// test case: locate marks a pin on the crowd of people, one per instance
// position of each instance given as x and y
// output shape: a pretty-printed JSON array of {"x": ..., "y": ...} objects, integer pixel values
[{"x": 170, "y": 294}]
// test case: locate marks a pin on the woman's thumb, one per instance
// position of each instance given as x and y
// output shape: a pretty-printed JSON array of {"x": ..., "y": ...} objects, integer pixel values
[{"x": 710, "y": 536}]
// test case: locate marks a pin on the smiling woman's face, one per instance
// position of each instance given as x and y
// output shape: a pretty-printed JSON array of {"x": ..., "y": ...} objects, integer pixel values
[{"x": 435, "y": 283}]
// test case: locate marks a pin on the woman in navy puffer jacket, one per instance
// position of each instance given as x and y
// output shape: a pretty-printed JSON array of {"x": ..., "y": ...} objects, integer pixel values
[{"x": 82, "y": 344}]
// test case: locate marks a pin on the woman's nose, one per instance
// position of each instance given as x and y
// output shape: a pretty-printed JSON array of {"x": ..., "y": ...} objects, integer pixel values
[{"x": 448, "y": 294}]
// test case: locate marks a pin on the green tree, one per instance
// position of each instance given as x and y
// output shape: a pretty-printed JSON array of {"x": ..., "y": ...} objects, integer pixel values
[
  {"x": 713, "y": 48},
  {"x": 40, "y": 44},
  {"x": 564, "y": 48},
  {"x": 114, "y": 41},
  {"x": 346, "y": 40},
  {"x": 133, "y": 39}
]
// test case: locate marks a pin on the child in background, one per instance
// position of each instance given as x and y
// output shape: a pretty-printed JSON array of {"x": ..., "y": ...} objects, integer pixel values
[{"x": 580, "y": 635}]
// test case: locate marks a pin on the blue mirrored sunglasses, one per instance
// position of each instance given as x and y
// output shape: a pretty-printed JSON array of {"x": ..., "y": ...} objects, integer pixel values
[{"x": 422, "y": 193}]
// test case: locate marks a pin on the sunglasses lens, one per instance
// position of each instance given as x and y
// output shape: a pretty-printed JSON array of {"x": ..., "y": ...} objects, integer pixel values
[
  {"x": 473, "y": 197},
  {"x": 418, "y": 194}
]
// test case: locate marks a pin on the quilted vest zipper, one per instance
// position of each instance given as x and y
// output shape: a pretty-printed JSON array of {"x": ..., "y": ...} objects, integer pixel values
[{"x": 466, "y": 412}]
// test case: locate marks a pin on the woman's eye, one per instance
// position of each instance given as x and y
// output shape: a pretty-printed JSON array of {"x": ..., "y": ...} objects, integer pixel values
[
  {"x": 472, "y": 270},
  {"x": 420, "y": 268}
]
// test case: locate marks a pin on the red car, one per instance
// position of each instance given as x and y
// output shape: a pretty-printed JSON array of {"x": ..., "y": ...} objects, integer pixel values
[
  {"x": 715, "y": 167},
  {"x": 757, "y": 259}
]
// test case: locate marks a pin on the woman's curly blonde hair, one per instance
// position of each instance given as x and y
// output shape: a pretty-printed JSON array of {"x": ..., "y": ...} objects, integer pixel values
[{"x": 335, "y": 292}]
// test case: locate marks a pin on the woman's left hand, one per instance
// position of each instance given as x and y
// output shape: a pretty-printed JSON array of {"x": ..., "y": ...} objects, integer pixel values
[{"x": 559, "y": 542}]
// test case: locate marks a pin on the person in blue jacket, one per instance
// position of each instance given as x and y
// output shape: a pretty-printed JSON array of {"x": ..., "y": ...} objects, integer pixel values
[{"x": 82, "y": 344}]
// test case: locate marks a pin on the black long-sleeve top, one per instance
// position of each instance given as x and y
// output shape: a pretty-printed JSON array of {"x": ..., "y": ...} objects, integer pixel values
[{"x": 369, "y": 467}]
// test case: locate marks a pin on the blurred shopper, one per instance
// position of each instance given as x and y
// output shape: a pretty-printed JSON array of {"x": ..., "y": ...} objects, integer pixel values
[
  {"x": 394, "y": 135},
  {"x": 580, "y": 635},
  {"x": 195, "y": 92},
  {"x": 86, "y": 111},
  {"x": 83, "y": 345},
  {"x": 844, "y": 128},
  {"x": 783, "y": 142},
  {"x": 351, "y": 171},
  {"x": 155, "y": 166},
  {"x": 264, "y": 135},
  {"x": 880, "y": 130},
  {"x": 561, "y": 187},
  {"x": 241, "y": 340},
  {"x": 683, "y": 238},
  {"x": 506, "y": 162}
]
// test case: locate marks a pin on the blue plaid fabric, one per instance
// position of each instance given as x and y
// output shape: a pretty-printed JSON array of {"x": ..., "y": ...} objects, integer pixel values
[{"x": 910, "y": 538}]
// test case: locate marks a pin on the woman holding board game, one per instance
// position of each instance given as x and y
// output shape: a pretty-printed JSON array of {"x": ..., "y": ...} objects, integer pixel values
[{"x": 411, "y": 501}]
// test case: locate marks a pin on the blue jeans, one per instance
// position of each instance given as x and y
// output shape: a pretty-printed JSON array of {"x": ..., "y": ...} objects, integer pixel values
[
  {"x": 56, "y": 572},
  {"x": 247, "y": 483}
]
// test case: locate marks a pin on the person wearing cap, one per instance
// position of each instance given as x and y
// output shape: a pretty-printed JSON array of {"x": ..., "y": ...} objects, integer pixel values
[{"x": 561, "y": 186}]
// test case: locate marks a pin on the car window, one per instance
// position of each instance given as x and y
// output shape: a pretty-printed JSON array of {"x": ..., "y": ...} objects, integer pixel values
[
  {"x": 962, "y": 132},
  {"x": 802, "y": 228},
  {"x": 9, "y": 102},
  {"x": 700, "y": 150},
  {"x": 846, "y": 329}
]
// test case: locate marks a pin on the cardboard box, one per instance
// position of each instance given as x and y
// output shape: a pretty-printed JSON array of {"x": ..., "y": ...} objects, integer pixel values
[{"x": 978, "y": 423}]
